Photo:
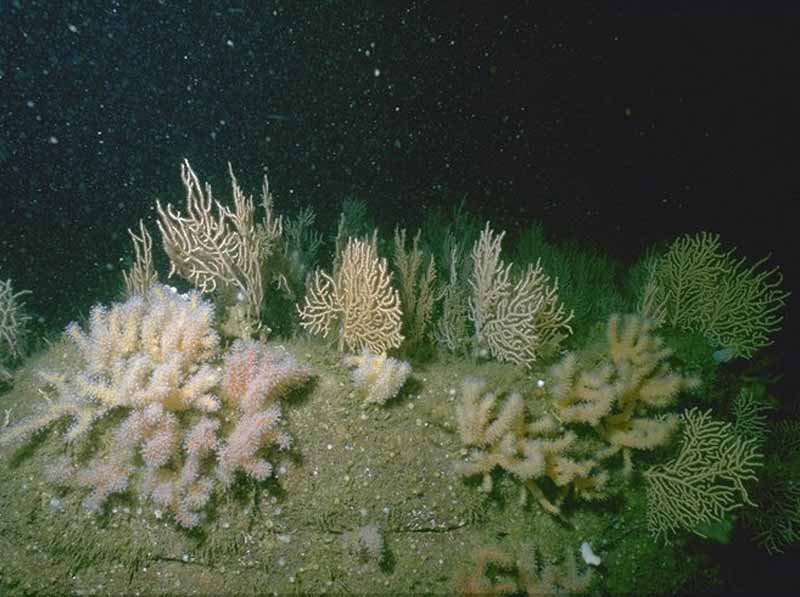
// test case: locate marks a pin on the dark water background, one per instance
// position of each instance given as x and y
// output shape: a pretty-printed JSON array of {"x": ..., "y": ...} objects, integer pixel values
[{"x": 619, "y": 124}]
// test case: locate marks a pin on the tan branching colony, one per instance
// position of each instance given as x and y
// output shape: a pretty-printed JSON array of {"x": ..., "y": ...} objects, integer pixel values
[
  {"x": 417, "y": 289},
  {"x": 12, "y": 325},
  {"x": 142, "y": 274},
  {"x": 358, "y": 301},
  {"x": 218, "y": 249},
  {"x": 516, "y": 318},
  {"x": 620, "y": 391}
]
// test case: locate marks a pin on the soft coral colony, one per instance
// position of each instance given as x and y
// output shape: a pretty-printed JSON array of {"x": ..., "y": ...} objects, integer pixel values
[
  {"x": 601, "y": 405},
  {"x": 186, "y": 416},
  {"x": 189, "y": 424}
]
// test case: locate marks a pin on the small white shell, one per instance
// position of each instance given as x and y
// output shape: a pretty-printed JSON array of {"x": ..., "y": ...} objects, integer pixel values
[{"x": 588, "y": 555}]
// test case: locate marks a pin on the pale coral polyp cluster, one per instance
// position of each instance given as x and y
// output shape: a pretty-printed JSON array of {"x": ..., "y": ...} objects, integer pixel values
[
  {"x": 152, "y": 350},
  {"x": 501, "y": 432},
  {"x": 256, "y": 409},
  {"x": 377, "y": 377},
  {"x": 602, "y": 403},
  {"x": 192, "y": 424},
  {"x": 622, "y": 393}
]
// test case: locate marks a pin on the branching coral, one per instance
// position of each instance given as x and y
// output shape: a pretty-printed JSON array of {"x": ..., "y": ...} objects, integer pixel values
[
  {"x": 602, "y": 403},
  {"x": 697, "y": 286},
  {"x": 255, "y": 379},
  {"x": 221, "y": 249},
  {"x": 12, "y": 324},
  {"x": 136, "y": 353},
  {"x": 501, "y": 433},
  {"x": 528, "y": 574},
  {"x": 489, "y": 559},
  {"x": 618, "y": 388},
  {"x": 705, "y": 481},
  {"x": 452, "y": 328},
  {"x": 151, "y": 358},
  {"x": 358, "y": 301},
  {"x": 142, "y": 274},
  {"x": 516, "y": 319},
  {"x": 775, "y": 521},
  {"x": 417, "y": 289}
]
